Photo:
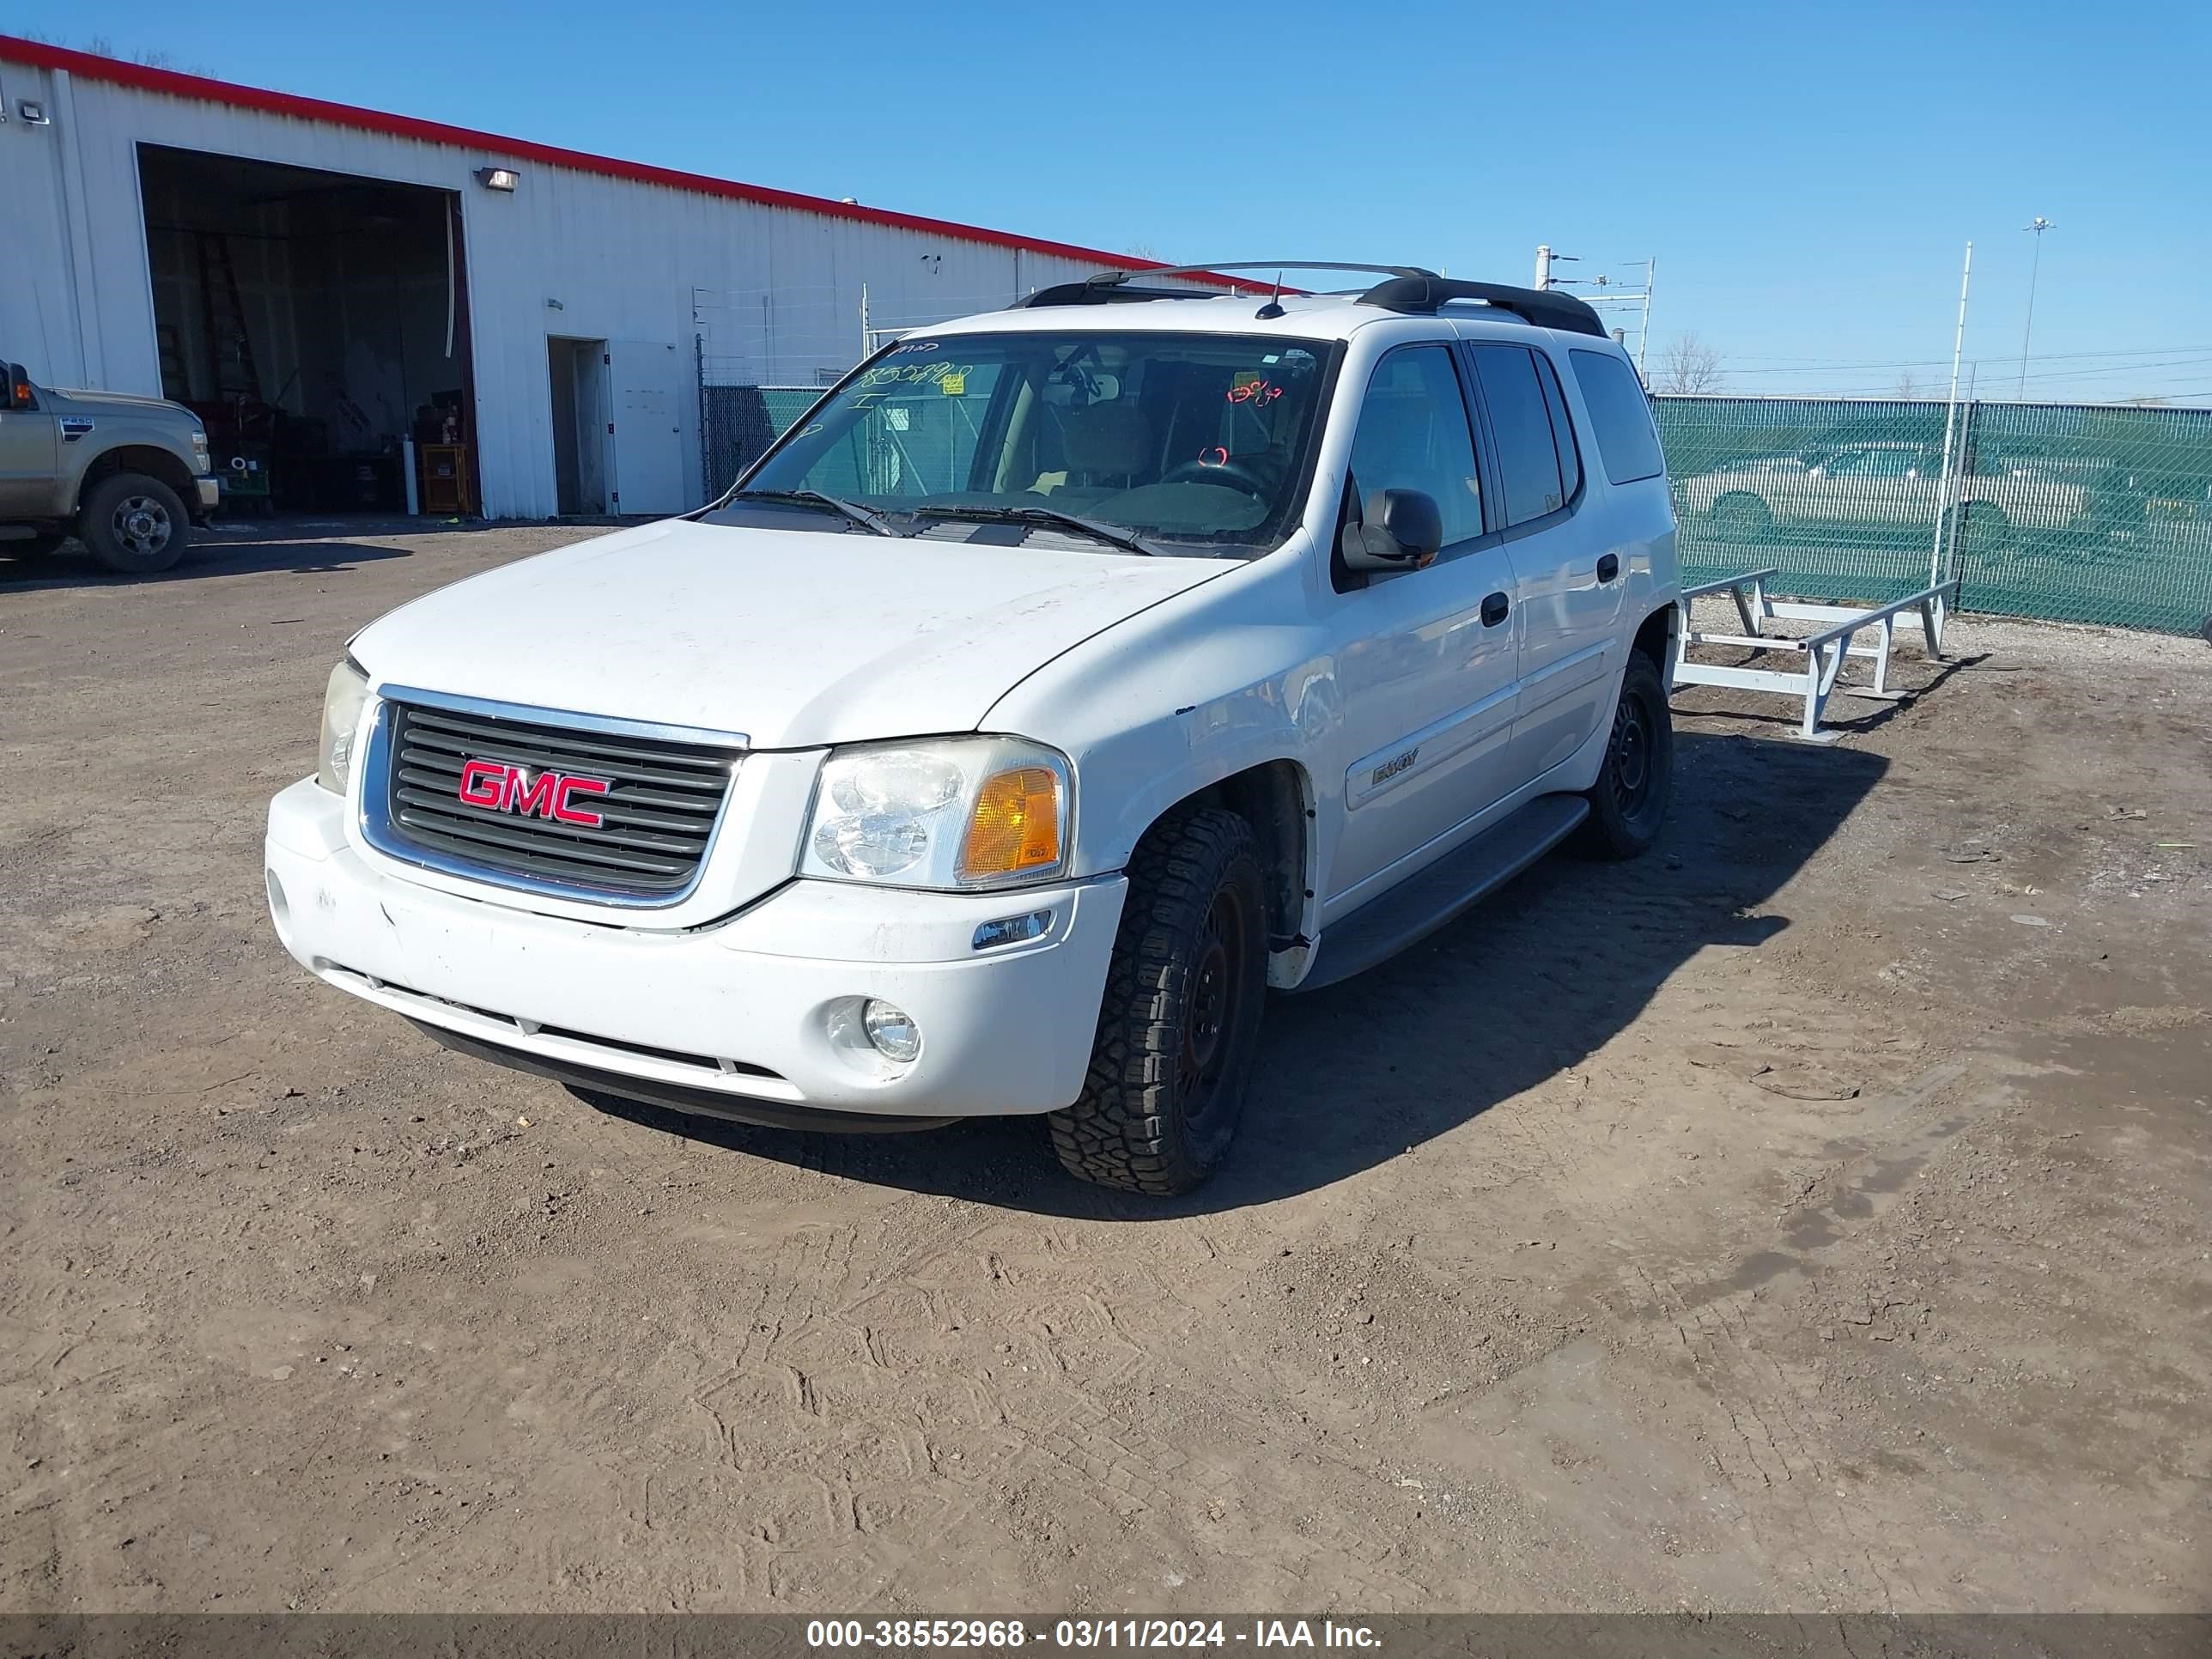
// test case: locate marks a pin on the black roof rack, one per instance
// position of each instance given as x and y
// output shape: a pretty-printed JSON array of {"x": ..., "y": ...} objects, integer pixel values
[
  {"x": 1092, "y": 292},
  {"x": 1408, "y": 288},
  {"x": 1421, "y": 293}
]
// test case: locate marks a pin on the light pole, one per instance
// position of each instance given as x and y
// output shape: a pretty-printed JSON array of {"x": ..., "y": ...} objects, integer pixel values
[{"x": 2028, "y": 329}]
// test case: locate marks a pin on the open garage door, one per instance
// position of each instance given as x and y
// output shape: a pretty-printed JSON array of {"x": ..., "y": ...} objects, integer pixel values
[
  {"x": 317, "y": 322},
  {"x": 648, "y": 431}
]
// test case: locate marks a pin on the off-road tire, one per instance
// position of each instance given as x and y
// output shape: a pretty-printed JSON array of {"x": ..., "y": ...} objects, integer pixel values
[
  {"x": 1628, "y": 803},
  {"x": 134, "y": 525},
  {"x": 1160, "y": 1102}
]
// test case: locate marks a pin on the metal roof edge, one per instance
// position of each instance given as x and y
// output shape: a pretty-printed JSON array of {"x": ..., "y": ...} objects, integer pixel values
[{"x": 205, "y": 90}]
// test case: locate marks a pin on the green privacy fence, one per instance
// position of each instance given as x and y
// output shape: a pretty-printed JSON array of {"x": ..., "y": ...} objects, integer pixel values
[{"x": 2072, "y": 513}]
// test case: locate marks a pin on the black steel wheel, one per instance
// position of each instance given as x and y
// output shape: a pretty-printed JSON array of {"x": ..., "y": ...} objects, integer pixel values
[
  {"x": 1628, "y": 803},
  {"x": 1179, "y": 1020}
]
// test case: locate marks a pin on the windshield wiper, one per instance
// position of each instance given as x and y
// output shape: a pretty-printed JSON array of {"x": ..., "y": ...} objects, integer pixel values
[
  {"x": 852, "y": 510},
  {"x": 1112, "y": 534}
]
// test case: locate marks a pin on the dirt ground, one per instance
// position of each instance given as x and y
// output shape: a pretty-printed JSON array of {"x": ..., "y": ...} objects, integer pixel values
[{"x": 1813, "y": 1216}]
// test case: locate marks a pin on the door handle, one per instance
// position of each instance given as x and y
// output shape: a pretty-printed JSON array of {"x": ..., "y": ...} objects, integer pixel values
[
  {"x": 1607, "y": 567},
  {"x": 1494, "y": 607}
]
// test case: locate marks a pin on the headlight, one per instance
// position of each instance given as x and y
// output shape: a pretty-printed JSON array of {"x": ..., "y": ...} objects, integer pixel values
[
  {"x": 958, "y": 812},
  {"x": 342, "y": 703}
]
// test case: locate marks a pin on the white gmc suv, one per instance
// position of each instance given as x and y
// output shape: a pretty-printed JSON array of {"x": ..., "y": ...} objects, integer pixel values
[{"x": 1065, "y": 679}]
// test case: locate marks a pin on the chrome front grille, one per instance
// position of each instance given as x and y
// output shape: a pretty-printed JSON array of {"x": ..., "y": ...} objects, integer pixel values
[{"x": 511, "y": 801}]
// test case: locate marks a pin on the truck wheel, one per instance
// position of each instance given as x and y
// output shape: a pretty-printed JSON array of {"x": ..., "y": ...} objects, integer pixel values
[
  {"x": 1181, "y": 1016},
  {"x": 1981, "y": 529},
  {"x": 1628, "y": 801},
  {"x": 134, "y": 525},
  {"x": 1740, "y": 516}
]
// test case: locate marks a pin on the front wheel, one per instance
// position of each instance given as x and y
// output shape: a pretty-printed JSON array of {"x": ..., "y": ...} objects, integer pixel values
[
  {"x": 1629, "y": 802},
  {"x": 134, "y": 525},
  {"x": 1181, "y": 1017}
]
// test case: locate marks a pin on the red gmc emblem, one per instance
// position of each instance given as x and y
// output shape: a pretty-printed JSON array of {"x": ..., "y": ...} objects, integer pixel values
[{"x": 507, "y": 788}]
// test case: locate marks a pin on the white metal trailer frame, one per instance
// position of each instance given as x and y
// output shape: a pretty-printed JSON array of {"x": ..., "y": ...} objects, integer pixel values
[{"x": 1824, "y": 651}]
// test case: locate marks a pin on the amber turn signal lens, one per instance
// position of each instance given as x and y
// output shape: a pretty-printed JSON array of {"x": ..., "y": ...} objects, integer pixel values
[{"x": 1015, "y": 826}]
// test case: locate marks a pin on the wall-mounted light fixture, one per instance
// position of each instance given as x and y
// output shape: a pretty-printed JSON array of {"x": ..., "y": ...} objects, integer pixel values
[
  {"x": 498, "y": 177},
  {"x": 33, "y": 113}
]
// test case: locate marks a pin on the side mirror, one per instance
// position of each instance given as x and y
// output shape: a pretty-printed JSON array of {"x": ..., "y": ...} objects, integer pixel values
[
  {"x": 19, "y": 388},
  {"x": 1402, "y": 531}
]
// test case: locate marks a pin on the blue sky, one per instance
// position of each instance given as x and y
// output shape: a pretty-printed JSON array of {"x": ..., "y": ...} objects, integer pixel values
[{"x": 1806, "y": 176}]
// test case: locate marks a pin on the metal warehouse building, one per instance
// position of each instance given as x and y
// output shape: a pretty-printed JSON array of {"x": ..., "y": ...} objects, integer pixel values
[{"x": 342, "y": 294}]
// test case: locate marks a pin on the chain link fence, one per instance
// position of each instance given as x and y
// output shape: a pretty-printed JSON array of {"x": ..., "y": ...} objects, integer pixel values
[
  {"x": 2070, "y": 512},
  {"x": 736, "y": 423}
]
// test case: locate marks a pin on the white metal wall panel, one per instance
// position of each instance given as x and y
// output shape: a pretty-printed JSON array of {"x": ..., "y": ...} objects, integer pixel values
[
  {"x": 570, "y": 252},
  {"x": 39, "y": 297}
]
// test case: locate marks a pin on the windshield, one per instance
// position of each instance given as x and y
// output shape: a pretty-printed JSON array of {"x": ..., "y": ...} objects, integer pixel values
[{"x": 1191, "y": 442}]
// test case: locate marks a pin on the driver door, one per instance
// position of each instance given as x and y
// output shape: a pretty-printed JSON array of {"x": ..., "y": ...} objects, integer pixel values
[
  {"x": 1429, "y": 673},
  {"x": 29, "y": 455}
]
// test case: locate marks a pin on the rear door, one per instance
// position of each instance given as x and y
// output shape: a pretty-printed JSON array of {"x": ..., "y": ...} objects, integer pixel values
[
  {"x": 647, "y": 432},
  {"x": 1567, "y": 584},
  {"x": 1426, "y": 674}
]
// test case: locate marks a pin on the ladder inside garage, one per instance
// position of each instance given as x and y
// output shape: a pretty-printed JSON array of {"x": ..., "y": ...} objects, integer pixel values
[{"x": 228, "y": 340}]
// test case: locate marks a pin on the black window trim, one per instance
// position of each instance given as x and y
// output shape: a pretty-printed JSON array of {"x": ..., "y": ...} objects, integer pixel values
[
  {"x": 1345, "y": 579},
  {"x": 1558, "y": 515},
  {"x": 1555, "y": 403}
]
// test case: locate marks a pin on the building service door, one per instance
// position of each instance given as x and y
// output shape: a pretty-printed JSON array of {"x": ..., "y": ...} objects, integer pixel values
[{"x": 643, "y": 387}]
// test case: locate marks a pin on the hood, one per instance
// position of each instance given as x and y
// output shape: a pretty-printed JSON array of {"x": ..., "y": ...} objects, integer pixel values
[
  {"x": 795, "y": 638},
  {"x": 122, "y": 403}
]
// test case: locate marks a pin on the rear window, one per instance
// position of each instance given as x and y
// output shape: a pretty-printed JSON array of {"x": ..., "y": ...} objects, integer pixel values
[{"x": 1621, "y": 415}]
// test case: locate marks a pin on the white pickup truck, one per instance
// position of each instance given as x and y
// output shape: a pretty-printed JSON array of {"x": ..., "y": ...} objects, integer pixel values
[{"x": 1067, "y": 677}]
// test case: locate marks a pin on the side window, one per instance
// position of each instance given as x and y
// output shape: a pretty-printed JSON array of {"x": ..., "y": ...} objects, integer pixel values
[
  {"x": 1413, "y": 434},
  {"x": 1563, "y": 429},
  {"x": 1521, "y": 427},
  {"x": 1627, "y": 446}
]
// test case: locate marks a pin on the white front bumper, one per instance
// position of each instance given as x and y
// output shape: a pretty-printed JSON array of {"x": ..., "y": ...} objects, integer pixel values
[{"x": 747, "y": 1009}]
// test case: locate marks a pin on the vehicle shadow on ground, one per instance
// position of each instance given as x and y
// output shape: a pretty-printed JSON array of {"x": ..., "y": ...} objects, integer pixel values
[
  {"x": 230, "y": 557},
  {"x": 1540, "y": 976}
]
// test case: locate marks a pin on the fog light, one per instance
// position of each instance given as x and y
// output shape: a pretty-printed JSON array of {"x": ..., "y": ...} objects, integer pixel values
[
  {"x": 279, "y": 910},
  {"x": 895, "y": 1036},
  {"x": 1013, "y": 929}
]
